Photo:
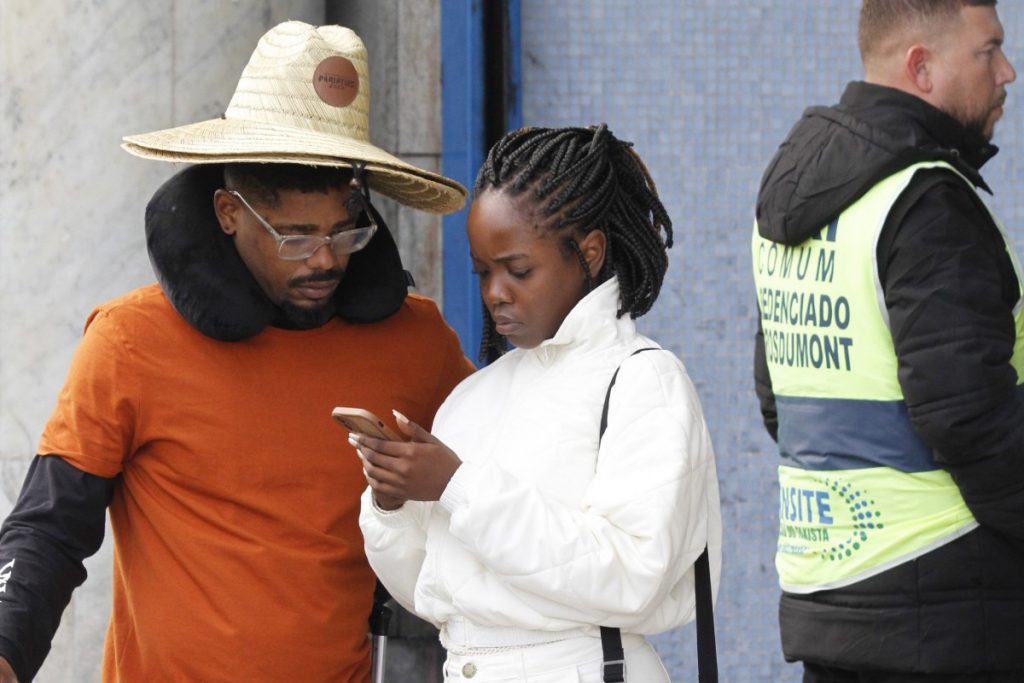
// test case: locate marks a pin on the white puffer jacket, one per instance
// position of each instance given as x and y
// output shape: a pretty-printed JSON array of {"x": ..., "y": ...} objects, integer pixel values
[{"x": 537, "y": 531}]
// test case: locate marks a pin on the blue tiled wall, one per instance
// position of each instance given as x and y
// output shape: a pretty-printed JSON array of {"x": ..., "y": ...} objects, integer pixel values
[{"x": 707, "y": 90}]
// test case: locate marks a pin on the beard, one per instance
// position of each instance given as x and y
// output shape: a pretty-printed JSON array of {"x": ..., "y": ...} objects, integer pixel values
[
  {"x": 306, "y": 318},
  {"x": 980, "y": 122},
  {"x": 299, "y": 318}
]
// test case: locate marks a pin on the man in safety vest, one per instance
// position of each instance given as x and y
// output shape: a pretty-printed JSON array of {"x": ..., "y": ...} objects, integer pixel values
[{"x": 889, "y": 362}]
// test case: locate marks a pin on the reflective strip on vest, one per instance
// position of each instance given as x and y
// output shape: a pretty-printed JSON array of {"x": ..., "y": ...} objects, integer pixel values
[{"x": 859, "y": 491}]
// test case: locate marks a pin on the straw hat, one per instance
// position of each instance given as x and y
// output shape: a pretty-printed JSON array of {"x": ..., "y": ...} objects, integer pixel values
[{"x": 304, "y": 97}]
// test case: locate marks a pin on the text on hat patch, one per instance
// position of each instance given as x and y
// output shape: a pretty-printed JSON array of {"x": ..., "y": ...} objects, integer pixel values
[{"x": 336, "y": 81}]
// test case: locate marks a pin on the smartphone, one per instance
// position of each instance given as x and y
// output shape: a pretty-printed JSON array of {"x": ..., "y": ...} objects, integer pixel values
[{"x": 364, "y": 422}]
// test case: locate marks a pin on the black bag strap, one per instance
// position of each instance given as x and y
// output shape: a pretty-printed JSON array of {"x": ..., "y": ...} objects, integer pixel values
[
  {"x": 611, "y": 638},
  {"x": 608, "y": 394},
  {"x": 707, "y": 657},
  {"x": 614, "y": 658},
  {"x": 380, "y": 613}
]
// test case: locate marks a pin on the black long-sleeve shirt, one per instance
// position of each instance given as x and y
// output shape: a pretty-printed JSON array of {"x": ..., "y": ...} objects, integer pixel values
[{"x": 57, "y": 522}]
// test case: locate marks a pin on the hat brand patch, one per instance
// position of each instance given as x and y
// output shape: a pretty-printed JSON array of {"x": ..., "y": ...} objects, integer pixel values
[{"x": 336, "y": 81}]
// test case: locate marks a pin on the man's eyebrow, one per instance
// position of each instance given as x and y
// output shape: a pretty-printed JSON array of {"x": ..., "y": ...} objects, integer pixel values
[
  {"x": 295, "y": 228},
  {"x": 310, "y": 228}
]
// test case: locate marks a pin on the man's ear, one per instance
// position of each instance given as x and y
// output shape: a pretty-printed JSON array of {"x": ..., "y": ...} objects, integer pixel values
[
  {"x": 226, "y": 209},
  {"x": 594, "y": 247},
  {"x": 917, "y": 68}
]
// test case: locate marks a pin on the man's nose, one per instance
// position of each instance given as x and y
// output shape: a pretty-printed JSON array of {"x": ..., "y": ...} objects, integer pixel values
[
  {"x": 1009, "y": 74},
  {"x": 323, "y": 258}
]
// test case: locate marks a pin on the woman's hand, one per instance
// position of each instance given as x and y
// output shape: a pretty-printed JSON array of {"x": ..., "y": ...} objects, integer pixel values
[{"x": 397, "y": 471}]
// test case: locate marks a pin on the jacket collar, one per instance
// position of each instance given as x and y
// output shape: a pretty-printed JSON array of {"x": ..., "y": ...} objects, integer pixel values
[
  {"x": 912, "y": 123},
  {"x": 833, "y": 155},
  {"x": 591, "y": 324}
]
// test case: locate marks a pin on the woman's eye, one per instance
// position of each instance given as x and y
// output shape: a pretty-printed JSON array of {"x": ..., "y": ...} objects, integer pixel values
[{"x": 520, "y": 274}]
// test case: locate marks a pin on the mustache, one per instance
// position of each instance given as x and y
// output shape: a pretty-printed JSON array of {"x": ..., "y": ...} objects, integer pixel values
[{"x": 318, "y": 276}]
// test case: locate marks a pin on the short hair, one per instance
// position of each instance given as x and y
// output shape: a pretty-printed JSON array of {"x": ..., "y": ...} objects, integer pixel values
[
  {"x": 576, "y": 180},
  {"x": 881, "y": 20},
  {"x": 262, "y": 182}
]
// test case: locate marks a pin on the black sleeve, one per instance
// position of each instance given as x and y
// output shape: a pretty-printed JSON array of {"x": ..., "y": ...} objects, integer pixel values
[
  {"x": 57, "y": 522},
  {"x": 950, "y": 290},
  {"x": 763, "y": 384}
]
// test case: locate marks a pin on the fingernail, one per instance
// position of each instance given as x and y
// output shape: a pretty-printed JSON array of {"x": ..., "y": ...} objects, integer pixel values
[
  {"x": 353, "y": 439},
  {"x": 401, "y": 418}
]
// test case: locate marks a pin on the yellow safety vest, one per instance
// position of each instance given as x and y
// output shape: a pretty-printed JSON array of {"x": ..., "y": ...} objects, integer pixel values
[{"x": 859, "y": 491}]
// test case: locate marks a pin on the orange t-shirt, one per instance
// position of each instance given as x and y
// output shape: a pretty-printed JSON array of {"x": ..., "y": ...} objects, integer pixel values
[{"x": 237, "y": 552}]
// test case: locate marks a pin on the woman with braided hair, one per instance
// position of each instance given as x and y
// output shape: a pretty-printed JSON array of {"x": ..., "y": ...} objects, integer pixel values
[{"x": 524, "y": 523}]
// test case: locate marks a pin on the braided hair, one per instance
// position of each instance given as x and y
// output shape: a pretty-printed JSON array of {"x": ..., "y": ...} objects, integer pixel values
[{"x": 580, "y": 179}]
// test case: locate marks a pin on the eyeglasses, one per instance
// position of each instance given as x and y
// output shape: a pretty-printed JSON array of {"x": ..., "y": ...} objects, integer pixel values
[{"x": 300, "y": 247}]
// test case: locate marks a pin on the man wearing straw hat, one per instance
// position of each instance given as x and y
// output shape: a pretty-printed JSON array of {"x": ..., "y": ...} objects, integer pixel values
[{"x": 197, "y": 410}]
